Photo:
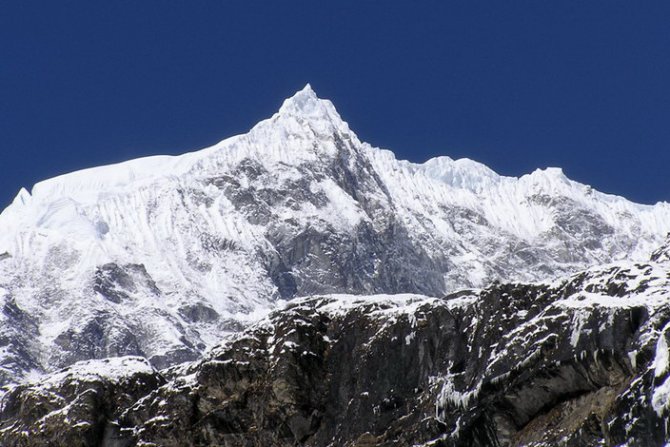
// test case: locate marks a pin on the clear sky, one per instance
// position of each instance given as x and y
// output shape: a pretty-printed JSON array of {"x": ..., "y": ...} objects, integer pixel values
[{"x": 518, "y": 85}]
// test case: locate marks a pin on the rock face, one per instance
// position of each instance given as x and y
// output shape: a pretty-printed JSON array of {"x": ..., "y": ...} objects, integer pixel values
[
  {"x": 161, "y": 257},
  {"x": 78, "y": 405},
  {"x": 662, "y": 254},
  {"x": 576, "y": 362}
]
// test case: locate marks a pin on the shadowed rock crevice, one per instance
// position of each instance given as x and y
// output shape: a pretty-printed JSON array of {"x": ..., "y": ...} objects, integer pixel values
[{"x": 555, "y": 404}]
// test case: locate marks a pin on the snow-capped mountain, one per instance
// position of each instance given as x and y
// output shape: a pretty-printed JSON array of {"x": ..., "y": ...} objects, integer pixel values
[{"x": 159, "y": 257}]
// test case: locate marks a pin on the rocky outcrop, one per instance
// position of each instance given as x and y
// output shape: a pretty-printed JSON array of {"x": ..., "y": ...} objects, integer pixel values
[
  {"x": 578, "y": 362},
  {"x": 77, "y": 406}
]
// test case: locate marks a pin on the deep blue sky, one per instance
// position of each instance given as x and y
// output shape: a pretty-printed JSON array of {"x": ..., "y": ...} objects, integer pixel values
[{"x": 517, "y": 85}]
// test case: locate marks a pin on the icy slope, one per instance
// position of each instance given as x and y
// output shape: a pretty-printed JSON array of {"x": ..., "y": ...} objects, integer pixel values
[{"x": 160, "y": 256}]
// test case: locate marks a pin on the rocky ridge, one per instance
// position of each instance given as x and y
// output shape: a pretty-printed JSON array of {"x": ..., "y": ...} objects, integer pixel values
[{"x": 578, "y": 361}]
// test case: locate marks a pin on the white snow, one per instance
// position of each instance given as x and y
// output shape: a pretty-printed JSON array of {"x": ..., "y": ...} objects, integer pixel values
[
  {"x": 662, "y": 358},
  {"x": 113, "y": 369},
  {"x": 660, "y": 398}
]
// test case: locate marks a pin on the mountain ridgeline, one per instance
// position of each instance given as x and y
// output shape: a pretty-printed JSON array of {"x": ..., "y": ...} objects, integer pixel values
[
  {"x": 583, "y": 361},
  {"x": 247, "y": 294}
]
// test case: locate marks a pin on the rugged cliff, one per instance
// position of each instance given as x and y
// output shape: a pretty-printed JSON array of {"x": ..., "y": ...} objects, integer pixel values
[{"x": 576, "y": 362}]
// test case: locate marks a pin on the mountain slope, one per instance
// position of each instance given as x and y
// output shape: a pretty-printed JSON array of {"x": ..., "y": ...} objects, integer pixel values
[
  {"x": 580, "y": 361},
  {"x": 161, "y": 256}
]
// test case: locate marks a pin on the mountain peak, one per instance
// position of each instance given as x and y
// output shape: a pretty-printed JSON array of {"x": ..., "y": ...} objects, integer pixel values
[
  {"x": 306, "y": 104},
  {"x": 304, "y": 101},
  {"x": 307, "y": 90}
]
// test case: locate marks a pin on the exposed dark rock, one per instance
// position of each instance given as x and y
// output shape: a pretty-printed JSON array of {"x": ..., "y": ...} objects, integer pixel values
[
  {"x": 198, "y": 312},
  {"x": 662, "y": 253},
  {"x": 116, "y": 283},
  {"x": 18, "y": 332},
  {"x": 576, "y": 363},
  {"x": 77, "y": 406}
]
